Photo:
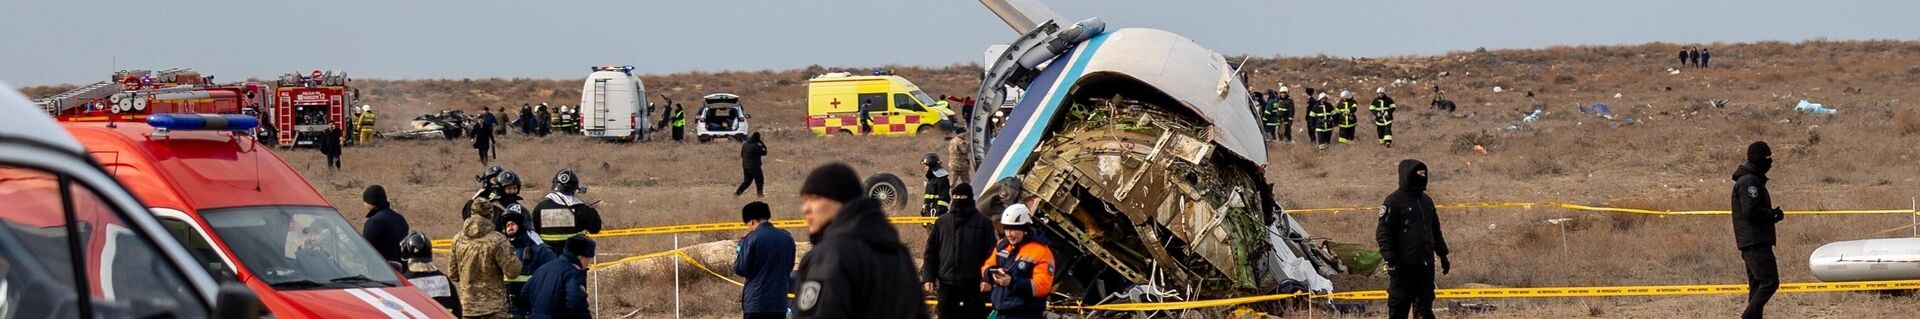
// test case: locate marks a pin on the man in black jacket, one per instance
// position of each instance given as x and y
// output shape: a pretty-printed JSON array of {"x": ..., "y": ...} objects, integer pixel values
[
  {"x": 330, "y": 146},
  {"x": 960, "y": 242},
  {"x": 385, "y": 227},
  {"x": 1409, "y": 238},
  {"x": 1753, "y": 219},
  {"x": 750, "y": 154},
  {"x": 857, "y": 268}
]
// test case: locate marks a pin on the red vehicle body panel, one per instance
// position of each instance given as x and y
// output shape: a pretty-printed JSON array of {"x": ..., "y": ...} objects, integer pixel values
[{"x": 191, "y": 171}]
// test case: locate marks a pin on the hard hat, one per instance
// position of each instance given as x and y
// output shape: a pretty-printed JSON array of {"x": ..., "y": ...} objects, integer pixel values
[
  {"x": 1017, "y": 215},
  {"x": 1323, "y": 95},
  {"x": 487, "y": 175},
  {"x": 365, "y": 108},
  {"x": 566, "y": 182},
  {"x": 1283, "y": 89},
  {"x": 1380, "y": 90},
  {"x": 1346, "y": 94},
  {"x": 506, "y": 178},
  {"x": 931, "y": 159},
  {"x": 417, "y": 247}
]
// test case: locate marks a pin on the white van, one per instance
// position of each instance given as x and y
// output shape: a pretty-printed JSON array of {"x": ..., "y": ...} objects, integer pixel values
[{"x": 612, "y": 105}]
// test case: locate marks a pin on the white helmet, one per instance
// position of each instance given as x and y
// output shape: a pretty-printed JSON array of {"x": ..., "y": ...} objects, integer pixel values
[
  {"x": 1283, "y": 89},
  {"x": 1380, "y": 90},
  {"x": 366, "y": 108},
  {"x": 1017, "y": 215},
  {"x": 1344, "y": 94},
  {"x": 1323, "y": 95}
]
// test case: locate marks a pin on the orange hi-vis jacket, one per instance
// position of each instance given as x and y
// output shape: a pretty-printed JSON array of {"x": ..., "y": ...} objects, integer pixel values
[{"x": 1030, "y": 263}]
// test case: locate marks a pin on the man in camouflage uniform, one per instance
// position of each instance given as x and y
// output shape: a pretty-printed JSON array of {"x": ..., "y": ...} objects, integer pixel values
[{"x": 481, "y": 262}]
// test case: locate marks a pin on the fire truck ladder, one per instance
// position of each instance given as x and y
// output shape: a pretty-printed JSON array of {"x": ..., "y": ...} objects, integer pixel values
[{"x": 53, "y": 105}]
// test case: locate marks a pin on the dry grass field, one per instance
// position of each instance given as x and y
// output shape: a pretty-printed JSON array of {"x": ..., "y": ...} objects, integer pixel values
[{"x": 1679, "y": 153}]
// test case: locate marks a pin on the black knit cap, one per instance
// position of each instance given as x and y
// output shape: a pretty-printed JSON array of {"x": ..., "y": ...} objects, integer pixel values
[
  {"x": 835, "y": 181},
  {"x": 1758, "y": 151},
  {"x": 756, "y": 210},
  {"x": 375, "y": 195},
  {"x": 580, "y": 245}
]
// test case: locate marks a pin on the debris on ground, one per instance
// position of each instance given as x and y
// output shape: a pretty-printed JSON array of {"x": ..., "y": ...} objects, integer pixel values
[{"x": 1815, "y": 108}]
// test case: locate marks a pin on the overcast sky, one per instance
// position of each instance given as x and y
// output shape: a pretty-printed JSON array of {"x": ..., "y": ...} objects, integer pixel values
[{"x": 76, "y": 41}]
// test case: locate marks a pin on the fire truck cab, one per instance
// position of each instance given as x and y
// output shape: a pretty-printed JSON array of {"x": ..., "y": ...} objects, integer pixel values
[
  {"x": 247, "y": 217},
  {"x": 306, "y": 105},
  {"x": 75, "y": 244}
]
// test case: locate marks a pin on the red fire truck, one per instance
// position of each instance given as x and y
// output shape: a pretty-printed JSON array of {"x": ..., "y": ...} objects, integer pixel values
[
  {"x": 134, "y": 94},
  {"x": 307, "y": 104},
  {"x": 247, "y": 217}
]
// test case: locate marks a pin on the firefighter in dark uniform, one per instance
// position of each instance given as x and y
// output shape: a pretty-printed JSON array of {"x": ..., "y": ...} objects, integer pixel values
[
  {"x": 417, "y": 252},
  {"x": 1382, "y": 109},
  {"x": 561, "y": 215},
  {"x": 1344, "y": 115},
  {"x": 1754, "y": 217},
  {"x": 1280, "y": 117},
  {"x": 1409, "y": 237},
  {"x": 502, "y": 188},
  {"x": 934, "y": 199},
  {"x": 1320, "y": 116}
]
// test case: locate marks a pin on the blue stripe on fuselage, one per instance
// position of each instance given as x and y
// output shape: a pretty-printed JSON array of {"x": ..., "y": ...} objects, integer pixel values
[{"x": 1016, "y": 141}]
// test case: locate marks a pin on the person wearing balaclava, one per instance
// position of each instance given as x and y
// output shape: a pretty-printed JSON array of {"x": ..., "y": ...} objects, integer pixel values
[
  {"x": 1409, "y": 238},
  {"x": 1753, "y": 219},
  {"x": 958, "y": 244}
]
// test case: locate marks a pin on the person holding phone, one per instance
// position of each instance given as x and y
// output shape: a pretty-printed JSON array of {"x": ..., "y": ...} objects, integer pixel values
[{"x": 1019, "y": 274}]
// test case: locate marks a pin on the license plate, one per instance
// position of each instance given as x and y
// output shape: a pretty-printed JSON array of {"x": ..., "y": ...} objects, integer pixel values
[
  {"x": 596, "y": 133},
  {"x": 303, "y": 143}
]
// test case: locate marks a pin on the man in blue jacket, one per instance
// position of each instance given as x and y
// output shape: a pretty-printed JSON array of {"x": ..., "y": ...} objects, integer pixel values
[
  {"x": 765, "y": 258},
  {"x": 559, "y": 289}
]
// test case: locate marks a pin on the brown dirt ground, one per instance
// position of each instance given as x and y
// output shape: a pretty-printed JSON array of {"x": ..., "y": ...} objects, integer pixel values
[{"x": 1679, "y": 155}]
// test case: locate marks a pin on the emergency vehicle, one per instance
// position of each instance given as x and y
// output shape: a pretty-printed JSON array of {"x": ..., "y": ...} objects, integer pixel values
[
  {"x": 306, "y": 105},
  {"x": 122, "y": 265},
  {"x": 897, "y": 107},
  {"x": 610, "y": 104},
  {"x": 133, "y": 94},
  {"x": 248, "y": 217}
]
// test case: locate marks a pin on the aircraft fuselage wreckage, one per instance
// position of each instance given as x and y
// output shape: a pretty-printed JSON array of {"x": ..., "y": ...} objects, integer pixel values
[{"x": 1146, "y": 158}]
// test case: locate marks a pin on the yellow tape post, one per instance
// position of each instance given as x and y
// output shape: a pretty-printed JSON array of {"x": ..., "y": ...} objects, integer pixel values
[{"x": 677, "y": 253}]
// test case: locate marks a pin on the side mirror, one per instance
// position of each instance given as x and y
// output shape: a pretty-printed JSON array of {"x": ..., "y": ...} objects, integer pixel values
[
  {"x": 235, "y": 301},
  {"x": 397, "y": 266}
]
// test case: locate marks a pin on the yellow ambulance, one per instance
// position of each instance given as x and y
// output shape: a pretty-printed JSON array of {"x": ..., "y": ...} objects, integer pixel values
[{"x": 895, "y": 107}]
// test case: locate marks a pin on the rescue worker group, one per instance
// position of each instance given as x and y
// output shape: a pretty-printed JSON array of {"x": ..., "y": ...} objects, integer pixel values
[{"x": 514, "y": 261}]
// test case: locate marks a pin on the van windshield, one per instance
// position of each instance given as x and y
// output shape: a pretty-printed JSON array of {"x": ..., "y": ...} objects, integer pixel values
[
  {"x": 922, "y": 98},
  {"x": 297, "y": 247}
]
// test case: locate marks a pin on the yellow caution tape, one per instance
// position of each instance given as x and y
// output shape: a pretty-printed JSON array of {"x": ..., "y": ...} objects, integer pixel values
[
  {"x": 708, "y": 227},
  {"x": 681, "y": 254},
  {"x": 918, "y": 220},
  {"x": 1544, "y": 292},
  {"x": 1580, "y": 207},
  {"x": 1451, "y": 293}
]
